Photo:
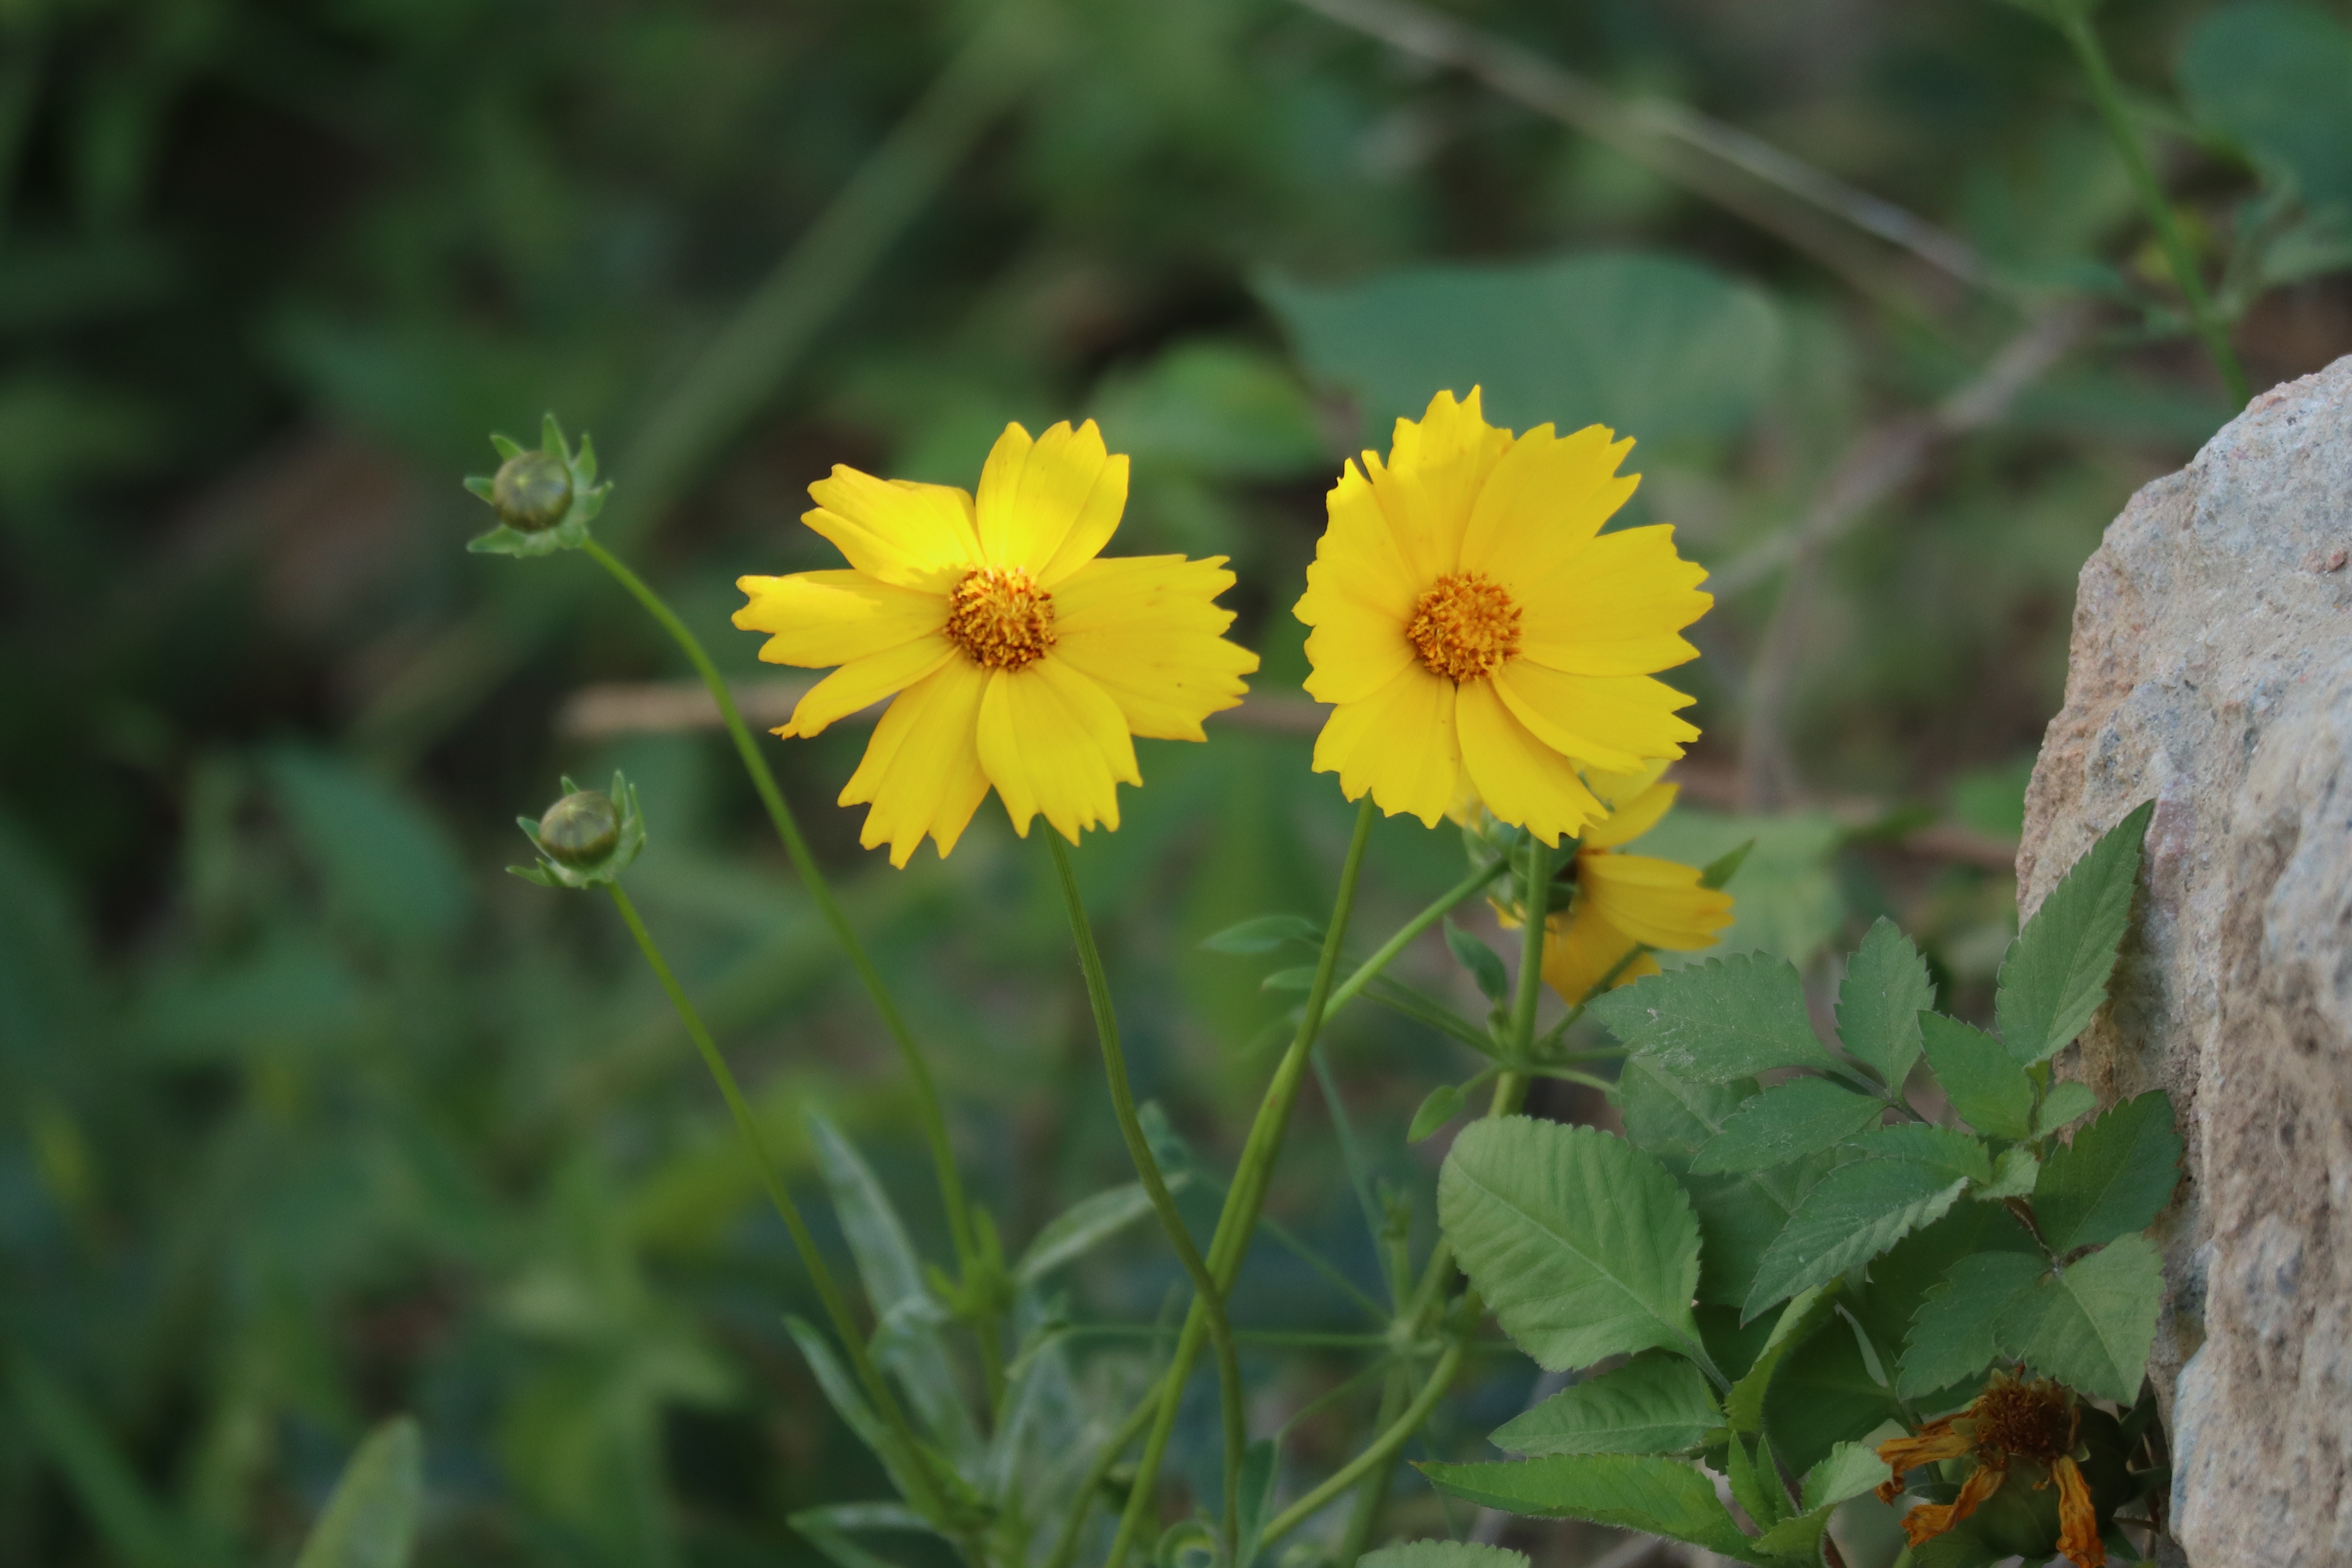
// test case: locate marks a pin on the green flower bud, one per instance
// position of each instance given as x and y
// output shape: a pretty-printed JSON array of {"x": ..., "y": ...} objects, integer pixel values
[
  {"x": 582, "y": 828},
  {"x": 532, "y": 491}
]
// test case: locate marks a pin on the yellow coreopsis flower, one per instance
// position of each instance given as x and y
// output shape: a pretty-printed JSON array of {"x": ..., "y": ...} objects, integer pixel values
[
  {"x": 1014, "y": 656},
  {"x": 1628, "y": 905},
  {"x": 1474, "y": 624}
]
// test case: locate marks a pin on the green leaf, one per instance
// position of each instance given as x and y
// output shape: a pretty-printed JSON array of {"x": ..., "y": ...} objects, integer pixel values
[
  {"x": 1298, "y": 977},
  {"x": 1954, "y": 1334},
  {"x": 1879, "y": 1001},
  {"x": 1654, "y": 1403},
  {"x": 1724, "y": 867},
  {"x": 2113, "y": 1178},
  {"x": 1988, "y": 1088},
  {"x": 1823, "y": 1395},
  {"x": 1785, "y": 1122},
  {"x": 1938, "y": 1148},
  {"x": 1724, "y": 1019},
  {"x": 827, "y": 1529},
  {"x": 1443, "y": 1554},
  {"x": 2090, "y": 1327},
  {"x": 1479, "y": 959},
  {"x": 1850, "y": 1470},
  {"x": 2055, "y": 976},
  {"x": 1794, "y": 1540},
  {"x": 1260, "y": 1464},
  {"x": 1082, "y": 1226},
  {"x": 1583, "y": 1246},
  {"x": 370, "y": 1521},
  {"x": 388, "y": 864},
  {"x": 1760, "y": 1494},
  {"x": 1405, "y": 1001},
  {"x": 2014, "y": 1175},
  {"x": 1262, "y": 934},
  {"x": 1440, "y": 1106},
  {"x": 1853, "y": 1213},
  {"x": 2068, "y": 1100},
  {"x": 848, "y": 1402},
  {"x": 1744, "y": 1406},
  {"x": 1663, "y": 1497},
  {"x": 1899, "y": 1281},
  {"x": 2277, "y": 79},
  {"x": 1646, "y": 342}
]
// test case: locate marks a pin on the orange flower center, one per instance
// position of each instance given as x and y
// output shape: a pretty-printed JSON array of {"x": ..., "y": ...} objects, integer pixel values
[
  {"x": 1001, "y": 618},
  {"x": 2023, "y": 1421},
  {"x": 1464, "y": 626}
]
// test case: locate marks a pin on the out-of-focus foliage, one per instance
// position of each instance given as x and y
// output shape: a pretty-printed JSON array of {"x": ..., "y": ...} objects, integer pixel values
[{"x": 308, "y": 1116}]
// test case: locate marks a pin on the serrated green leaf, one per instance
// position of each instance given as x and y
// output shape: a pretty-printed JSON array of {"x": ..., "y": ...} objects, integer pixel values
[
  {"x": 1799, "y": 1320},
  {"x": 1262, "y": 934},
  {"x": 1479, "y": 959},
  {"x": 1988, "y": 1088},
  {"x": 1754, "y": 1492},
  {"x": 1085, "y": 1225},
  {"x": 1785, "y": 1122},
  {"x": 1671, "y": 1116},
  {"x": 1822, "y": 1394},
  {"x": 1879, "y": 1001},
  {"x": 2114, "y": 1177},
  {"x": 1853, "y": 1213},
  {"x": 2056, "y": 973},
  {"x": 1900, "y": 1281},
  {"x": 1954, "y": 1334},
  {"x": 1794, "y": 1540},
  {"x": 2014, "y": 1175},
  {"x": 2090, "y": 1327},
  {"x": 1938, "y": 1148},
  {"x": 1663, "y": 1497},
  {"x": 1443, "y": 1554},
  {"x": 1438, "y": 1107},
  {"x": 1582, "y": 1245},
  {"x": 1850, "y": 1470},
  {"x": 2067, "y": 1101},
  {"x": 370, "y": 1520},
  {"x": 1727, "y": 1018},
  {"x": 1654, "y": 1403}
]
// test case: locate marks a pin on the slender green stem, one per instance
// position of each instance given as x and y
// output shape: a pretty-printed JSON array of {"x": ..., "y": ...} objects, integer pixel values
[
  {"x": 1382, "y": 1450},
  {"x": 1372, "y": 1490},
  {"x": 1206, "y": 1293},
  {"x": 912, "y": 1460},
  {"x": 763, "y": 780},
  {"x": 1246, "y": 1196},
  {"x": 1444, "y": 905},
  {"x": 1065, "y": 1546},
  {"x": 1298, "y": 1338},
  {"x": 2074, "y": 20}
]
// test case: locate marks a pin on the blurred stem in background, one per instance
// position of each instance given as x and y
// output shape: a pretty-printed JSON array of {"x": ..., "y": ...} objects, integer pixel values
[{"x": 982, "y": 1297}]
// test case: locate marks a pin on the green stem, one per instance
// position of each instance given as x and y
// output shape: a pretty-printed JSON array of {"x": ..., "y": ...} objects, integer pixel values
[
  {"x": 1206, "y": 1294},
  {"x": 2074, "y": 20},
  {"x": 912, "y": 1460},
  {"x": 1065, "y": 1547},
  {"x": 1246, "y": 1196},
  {"x": 1372, "y": 1490},
  {"x": 1444, "y": 904},
  {"x": 763, "y": 780},
  {"x": 1377, "y": 1456}
]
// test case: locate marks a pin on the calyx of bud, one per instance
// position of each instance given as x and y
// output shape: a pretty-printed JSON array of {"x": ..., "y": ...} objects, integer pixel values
[{"x": 545, "y": 498}]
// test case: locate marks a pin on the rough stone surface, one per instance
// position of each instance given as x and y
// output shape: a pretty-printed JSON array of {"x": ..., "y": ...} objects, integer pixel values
[{"x": 2211, "y": 668}]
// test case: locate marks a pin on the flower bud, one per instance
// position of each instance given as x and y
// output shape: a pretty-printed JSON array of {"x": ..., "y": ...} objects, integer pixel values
[
  {"x": 582, "y": 828},
  {"x": 531, "y": 491}
]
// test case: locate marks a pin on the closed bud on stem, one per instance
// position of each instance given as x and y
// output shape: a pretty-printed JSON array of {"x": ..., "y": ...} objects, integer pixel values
[
  {"x": 582, "y": 828},
  {"x": 545, "y": 497},
  {"x": 532, "y": 491},
  {"x": 586, "y": 839}
]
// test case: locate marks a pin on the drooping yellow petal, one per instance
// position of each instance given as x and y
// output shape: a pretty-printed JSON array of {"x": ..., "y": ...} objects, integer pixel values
[
  {"x": 1657, "y": 902},
  {"x": 915, "y": 536},
  {"x": 863, "y": 682},
  {"x": 1630, "y": 819},
  {"x": 1937, "y": 1440},
  {"x": 1931, "y": 1519},
  {"x": 1613, "y": 723},
  {"x": 921, "y": 772},
  {"x": 1521, "y": 778},
  {"x": 1617, "y": 607},
  {"x": 2078, "y": 1519},
  {"x": 1399, "y": 743},
  {"x": 1544, "y": 502},
  {"x": 1149, "y": 631},
  {"x": 1582, "y": 950},
  {"x": 832, "y": 618},
  {"x": 1054, "y": 743},
  {"x": 1048, "y": 506}
]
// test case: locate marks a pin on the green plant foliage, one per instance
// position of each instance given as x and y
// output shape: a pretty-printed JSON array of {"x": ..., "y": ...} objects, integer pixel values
[
  {"x": 1654, "y": 1403},
  {"x": 1939, "y": 1149},
  {"x": 1885, "y": 990},
  {"x": 1480, "y": 960},
  {"x": 1664, "y": 1497},
  {"x": 1744, "y": 1406},
  {"x": 1954, "y": 1334},
  {"x": 1727, "y": 1018},
  {"x": 1986, "y": 1086},
  {"x": 1785, "y": 1122},
  {"x": 2277, "y": 79},
  {"x": 371, "y": 1518},
  {"x": 2114, "y": 1177},
  {"x": 1083, "y": 1226},
  {"x": 1850, "y": 1470},
  {"x": 1583, "y": 1246},
  {"x": 2068, "y": 1101},
  {"x": 2092, "y": 1324},
  {"x": 1438, "y": 1107},
  {"x": 1854, "y": 1212},
  {"x": 2056, "y": 975},
  {"x": 1443, "y": 1554}
]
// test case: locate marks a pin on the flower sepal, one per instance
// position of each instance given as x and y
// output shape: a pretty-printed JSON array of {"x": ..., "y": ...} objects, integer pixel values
[
  {"x": 545, "y": 497},
  {"x": 585, "y": 839}
]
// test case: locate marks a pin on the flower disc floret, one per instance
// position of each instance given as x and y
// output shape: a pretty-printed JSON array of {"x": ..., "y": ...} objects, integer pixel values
[
  {"x": 1000, "y": 618},
  {"x": 1464, "y": 626}
]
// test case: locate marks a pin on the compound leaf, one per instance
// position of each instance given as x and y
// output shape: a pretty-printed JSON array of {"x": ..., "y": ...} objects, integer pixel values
[
  {"x": 1884, "y": 991},
  {"x": 2113, "y": 1178},
  {"x": 1854, "y": 1212},
  {"x": 1663, "y": 1497},
  {"x": 2056, "y": 973},
  {"x": 2092, "y": 1325},
  {"x": 1727, "y": 1018},
  {"x": 1938, "y": 1148},
  {"x": 1983, "y": 1083},
  {"x": 1654, "y": 1403},
  {"x": 1954, "y": 1334},
  {"x": 1785, "y": 1122}
]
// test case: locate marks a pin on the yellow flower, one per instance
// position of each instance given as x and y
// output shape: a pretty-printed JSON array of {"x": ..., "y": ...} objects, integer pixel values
[
  {"x": 2031, "y": 1425},
  {"x": 1627, "y": 905},
  {"x": 1473, "y": 624},
  {"x": 1014, "y": 656}
]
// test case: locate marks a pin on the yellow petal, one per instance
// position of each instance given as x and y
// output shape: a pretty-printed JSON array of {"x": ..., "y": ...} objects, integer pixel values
[
  {"x": 1399, "y": 743},
  {"x": 832, "y": 618},
  {"x": 1054, "y": 742},
  {"x": 1613, "y": 723},
  {"x": 1543, "y": 504},
  {"x": 916, "y": 536},
  {"x": 1359, "y": 558},
  {"x": 1657, "y": 902},
  {"x": 1048, "y": 506},
  {"x": 1931, "y": 1519},
  {"x": 863, "y": 682},
  {"x": 1523, "y": 781},
  {"x": 2078, "y": 1519},
  {"x": 1148, "y": 630},
  {"x": 1577, "y": 959},
  {"x": 1615, "y": 608},
  {"x": 1431, "y": 480},
  {"x": 1629, "y": 821},
  {"x": 1352, "y": 652},
  {"x": 921, "y": 771}
]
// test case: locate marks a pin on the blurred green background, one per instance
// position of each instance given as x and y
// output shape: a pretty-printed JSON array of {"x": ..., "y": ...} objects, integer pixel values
[{"x": 308, "y": 1115}]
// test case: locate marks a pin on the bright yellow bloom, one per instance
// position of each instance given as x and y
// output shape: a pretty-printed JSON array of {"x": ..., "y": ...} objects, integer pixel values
[
  {"x": 1474, "y": 624},
  {"x": 2029, "y": 1425},
  {"x": 1627, "y": 905},
  {"x": 1012, "y": 656}
]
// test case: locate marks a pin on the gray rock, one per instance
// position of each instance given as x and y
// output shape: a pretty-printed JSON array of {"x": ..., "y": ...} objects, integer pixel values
[{"x": 2211, "y": 668}]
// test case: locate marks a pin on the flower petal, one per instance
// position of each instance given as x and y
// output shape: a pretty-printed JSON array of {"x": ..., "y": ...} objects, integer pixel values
[
  {"x": 1939, "y": 1440},
  {"x": 1054, "y": 742},
  {"x": 1614, "y": 723},
  {"x": 1587, "y": 951},
  {"x": 921, "y": 771},
  {"x": 1631, "y": 816},
  {"x": 1931, "y": 1519},
  {"x": 1048, "y": 506},
  {"x": 1359, "y": 558},
  {"x": 1431, "y": 482},
  {"x": 863, "y": 682},
  {"x": 916, "y": 536},
  {"x": 1658, "y": 903},
  {"x": 1400, "y": 743},
  {"x": 1615, "y": 607},
  {"x": 2078, "y": 1520},
  {"x": 1543, "y": 503},
  {"x": 1523, "y": 781},
  {"x": 1353, "y": 652},
  {"x": 833, "y": 617},
  {"x": 1148, "y": 630}
]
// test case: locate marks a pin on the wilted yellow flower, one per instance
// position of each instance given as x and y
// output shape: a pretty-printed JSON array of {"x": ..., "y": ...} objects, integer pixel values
[
  {"x": 1625, "y": 904},
  {"x": 1473, "y": 624},
  {"x": 1014, "y": 658},
  {"x": 2027, "y": 1425}
]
